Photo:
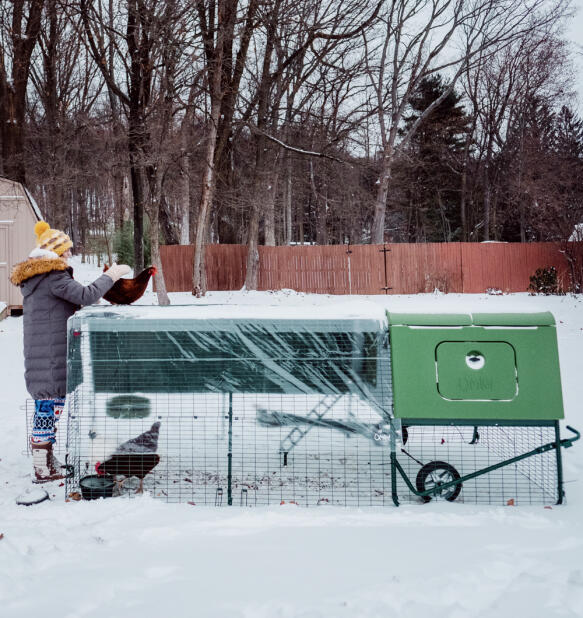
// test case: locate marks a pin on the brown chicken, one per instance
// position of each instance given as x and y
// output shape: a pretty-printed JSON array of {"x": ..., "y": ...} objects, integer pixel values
[
  {"x": 136, "y": 457},
  {"x": 127, "y": 291}
]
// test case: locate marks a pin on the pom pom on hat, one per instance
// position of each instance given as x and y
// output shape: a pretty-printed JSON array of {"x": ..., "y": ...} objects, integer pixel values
[
  {"x": 40, "y": 228},
  {"x": 51, "y": 240}
]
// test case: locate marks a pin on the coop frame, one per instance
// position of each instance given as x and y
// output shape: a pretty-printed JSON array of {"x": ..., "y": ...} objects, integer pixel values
[{"x": 391, "y": 431}]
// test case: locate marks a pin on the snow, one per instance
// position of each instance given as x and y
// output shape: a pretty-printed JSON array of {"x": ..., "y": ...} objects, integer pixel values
[
  {"x": 143, "y": 557},
  {"x": 341, "y": 310},
  {"x": 577, "y": 235}
]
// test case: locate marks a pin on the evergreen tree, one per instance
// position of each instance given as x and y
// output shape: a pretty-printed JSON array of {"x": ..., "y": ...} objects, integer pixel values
[
  {"x": 430, "y": 171},
  {"x": 542, "y": 196},
  {"x": 123, "y": 244}
]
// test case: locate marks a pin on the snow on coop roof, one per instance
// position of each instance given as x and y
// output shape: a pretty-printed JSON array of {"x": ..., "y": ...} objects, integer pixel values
[
  {"x": 357, "y": 315},
  {"x": 505, "y": 319}
]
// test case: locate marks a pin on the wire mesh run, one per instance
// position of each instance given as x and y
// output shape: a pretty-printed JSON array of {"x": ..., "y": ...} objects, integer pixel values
[
  {"x": 239, "y": 450},
  {"x": 468, "y": 449},
  {"x": 242, "y": 450}
]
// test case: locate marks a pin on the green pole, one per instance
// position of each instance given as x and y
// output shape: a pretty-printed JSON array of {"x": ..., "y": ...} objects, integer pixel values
[
  {"x": 393, "y": 447},
  {"x": 559, "y": 464},
  {"x": 230, "y": 454},
  {"x": 394, "y": 494}
]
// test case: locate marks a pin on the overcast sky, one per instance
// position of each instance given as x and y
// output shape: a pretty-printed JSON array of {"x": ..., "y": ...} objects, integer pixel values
[{"x": 575, "y": 34}]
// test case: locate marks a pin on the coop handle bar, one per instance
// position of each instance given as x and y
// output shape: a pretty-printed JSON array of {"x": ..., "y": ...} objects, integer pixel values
[{"x": 565, "y": 442}]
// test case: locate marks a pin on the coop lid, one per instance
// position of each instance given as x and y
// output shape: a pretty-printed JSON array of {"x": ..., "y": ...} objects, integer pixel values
[
  {"x": 429, "y": 319},
  {"x": 472, "y": 319},
  {"x": 513, "y": 319}
]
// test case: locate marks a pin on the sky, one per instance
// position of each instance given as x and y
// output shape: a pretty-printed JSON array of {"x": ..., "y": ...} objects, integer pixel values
[{"x": 575, "y": 34}]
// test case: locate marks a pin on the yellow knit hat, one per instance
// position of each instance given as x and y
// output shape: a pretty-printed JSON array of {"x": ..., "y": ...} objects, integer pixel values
[{"x": 51, "y": 240}]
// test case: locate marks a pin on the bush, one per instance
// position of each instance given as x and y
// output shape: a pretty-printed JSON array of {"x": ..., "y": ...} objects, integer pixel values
[{"x": 545, "y": 281}]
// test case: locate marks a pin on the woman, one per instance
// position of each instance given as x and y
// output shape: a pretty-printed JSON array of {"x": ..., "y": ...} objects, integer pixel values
[{"x": 51, "y": 296}]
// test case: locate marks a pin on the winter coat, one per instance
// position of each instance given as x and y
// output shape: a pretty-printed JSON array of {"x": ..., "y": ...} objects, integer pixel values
[{"x": 51, "y": 297}]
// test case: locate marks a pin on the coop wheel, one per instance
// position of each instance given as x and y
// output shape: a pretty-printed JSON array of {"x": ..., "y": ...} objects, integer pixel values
[{"x": 435, "y": 474}]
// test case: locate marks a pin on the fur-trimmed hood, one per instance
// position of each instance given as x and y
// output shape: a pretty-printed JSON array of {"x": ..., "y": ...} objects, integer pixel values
[{"x": 36, "y": 266}]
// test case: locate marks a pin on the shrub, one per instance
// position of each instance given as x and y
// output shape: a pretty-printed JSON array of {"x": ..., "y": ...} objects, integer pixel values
[{"x": 545, "y": 281}]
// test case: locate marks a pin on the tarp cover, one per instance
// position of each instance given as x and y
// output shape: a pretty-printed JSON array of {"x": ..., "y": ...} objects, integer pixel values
[{"x": 169, "y": 352}]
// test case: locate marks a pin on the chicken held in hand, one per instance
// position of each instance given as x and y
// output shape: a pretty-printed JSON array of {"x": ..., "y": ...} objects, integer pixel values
[
  {"x": 136, "y": 457},
  {"x": 127, "y": 291}
]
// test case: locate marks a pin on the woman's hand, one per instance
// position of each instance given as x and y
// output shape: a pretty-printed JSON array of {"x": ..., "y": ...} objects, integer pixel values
[{"x": 117, "y": 271}]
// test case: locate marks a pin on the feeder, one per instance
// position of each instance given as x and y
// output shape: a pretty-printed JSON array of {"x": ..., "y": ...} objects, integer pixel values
[{"x": 94, "y": 487}]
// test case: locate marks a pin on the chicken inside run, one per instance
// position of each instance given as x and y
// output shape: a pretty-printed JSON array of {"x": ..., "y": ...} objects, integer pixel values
[{"x": 216, "y": 406}]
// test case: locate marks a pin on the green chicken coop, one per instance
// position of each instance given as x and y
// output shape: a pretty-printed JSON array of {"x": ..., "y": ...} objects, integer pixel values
[{"x": 347, "y": 405}]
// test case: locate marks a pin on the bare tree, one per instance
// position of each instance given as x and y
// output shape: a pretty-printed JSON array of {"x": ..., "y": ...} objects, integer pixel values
[
  {"x": 325, "y": 27},
  {"x": 220, "y": 31},
  {"x": 499, "y": 87},
  {"x": 20, "y": 24},
  {"x": 426, "y": 37},
  {"x": 150, "y": 51}
]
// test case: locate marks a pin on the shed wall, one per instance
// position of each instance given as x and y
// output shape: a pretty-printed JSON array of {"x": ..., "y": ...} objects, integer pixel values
[{"x": 17, "y": 219}]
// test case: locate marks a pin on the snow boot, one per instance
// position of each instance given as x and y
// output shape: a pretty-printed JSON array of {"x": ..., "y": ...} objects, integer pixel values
[{"x": 46, "y": 466}]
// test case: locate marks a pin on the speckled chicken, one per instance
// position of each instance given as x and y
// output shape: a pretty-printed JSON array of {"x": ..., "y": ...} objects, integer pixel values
[{"x": 136, "y": 457}]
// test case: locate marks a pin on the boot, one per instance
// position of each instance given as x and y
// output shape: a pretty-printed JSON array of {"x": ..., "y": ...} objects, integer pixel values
[{"x": 46, "y": 465}]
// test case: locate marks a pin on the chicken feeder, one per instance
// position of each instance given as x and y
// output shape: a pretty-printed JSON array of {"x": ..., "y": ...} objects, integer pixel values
[
  {"x": 262, "y": 405},
  {"x": 94, "y": 487}
]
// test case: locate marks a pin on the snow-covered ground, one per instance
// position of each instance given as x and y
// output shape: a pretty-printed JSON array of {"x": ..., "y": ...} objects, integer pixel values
[{"x": 141, "y": 558}]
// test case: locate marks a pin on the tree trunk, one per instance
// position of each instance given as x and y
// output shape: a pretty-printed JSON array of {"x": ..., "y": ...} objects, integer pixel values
[
  {"x": 252, "y": 276},
  {"x": 464, "y": 190},
  {"x": 270, "y": 195},
  {"x": 487, "y": 199},
  {"x": 138, "y": 198},
  {"x": 155, "y": 184},
  {"x": 377, "y": 236},
  {"x": 167, "y": 227},
  {"x": 199, "y": 283},
  {"x": 184, "y": 193},
  {"x": 287, "y": 202}
]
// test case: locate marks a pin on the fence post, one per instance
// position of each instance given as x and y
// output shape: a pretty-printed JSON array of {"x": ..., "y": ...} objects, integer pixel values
[
  {"x": 349, "y": 253},
  {"x": 385, "y": 251}
]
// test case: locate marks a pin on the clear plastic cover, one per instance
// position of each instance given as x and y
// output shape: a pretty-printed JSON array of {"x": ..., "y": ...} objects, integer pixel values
[{"x": 152, "y": 354}]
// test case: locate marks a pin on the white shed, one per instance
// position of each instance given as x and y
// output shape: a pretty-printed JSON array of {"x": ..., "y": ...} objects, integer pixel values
[
  {"x": 577, "y": 235},
  {"x": 18, "y": 215}
]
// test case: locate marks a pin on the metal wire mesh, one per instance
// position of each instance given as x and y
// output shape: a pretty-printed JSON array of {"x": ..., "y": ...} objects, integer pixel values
[
  {"x": 468, "y": 449},
  {"x": 217, "y": 457},
  {"x": 308, "y": 465}
]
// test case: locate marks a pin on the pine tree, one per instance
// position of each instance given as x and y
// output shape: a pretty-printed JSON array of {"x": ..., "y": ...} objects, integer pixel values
[
  {"x": 123, "y": 244},
  {"x": 430, "y": 172}
]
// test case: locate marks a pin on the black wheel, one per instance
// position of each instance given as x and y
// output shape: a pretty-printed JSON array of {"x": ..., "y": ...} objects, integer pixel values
[{"x": 437, "y": 473}]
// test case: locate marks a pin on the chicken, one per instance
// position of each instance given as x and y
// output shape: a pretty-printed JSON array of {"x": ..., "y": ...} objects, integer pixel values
[
  {"x": 127, "y": 291},
  {"x": 136, "y": 457}
]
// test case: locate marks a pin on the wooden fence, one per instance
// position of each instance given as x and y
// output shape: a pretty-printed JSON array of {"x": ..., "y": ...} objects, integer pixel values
[{"x": 397, "y": 268}]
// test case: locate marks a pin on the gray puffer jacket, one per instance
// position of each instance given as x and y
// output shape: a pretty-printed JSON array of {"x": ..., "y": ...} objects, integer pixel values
[{"x": 51, "y": 297}]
